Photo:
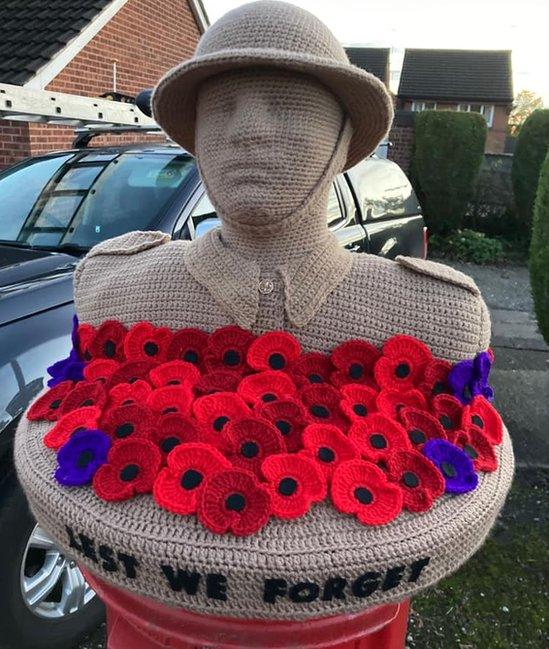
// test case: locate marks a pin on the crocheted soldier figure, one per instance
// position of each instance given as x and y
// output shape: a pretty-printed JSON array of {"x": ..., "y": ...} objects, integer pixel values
[{"x": 259, "y": 423}]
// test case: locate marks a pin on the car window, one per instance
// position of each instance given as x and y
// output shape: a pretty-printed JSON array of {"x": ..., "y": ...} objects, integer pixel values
[
  {"x": 203, "y": 217},
  {"x": 334, "y": 213}
]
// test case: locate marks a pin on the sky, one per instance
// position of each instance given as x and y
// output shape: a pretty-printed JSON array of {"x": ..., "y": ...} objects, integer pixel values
[{"x": 521, "y": 26}]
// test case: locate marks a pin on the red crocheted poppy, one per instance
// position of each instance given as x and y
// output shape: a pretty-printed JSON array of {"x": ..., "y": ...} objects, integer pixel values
[
  {"x": 85, "y": 334},
  {"x": 361, "y": 488},
  {"x": 251, "y": 440},
  {"x": 391, "y": 402},
  {"x": 477, "y": 447},
  {"x": 290, "y": 418},
  {"x": 234, "y": 501},
  {"x": 101, "y": 369},
  {"x": 402, "y": 363},
  {"x": 131, "y": 371},
  {"x": 377, "y": 435},
  {"x": 358, "y": 401},
  {"x": 48, "y": 406},
  {"x": 131, "y": 468},
  {"x": 179, "y": 485},
  {"x": 295, "y": 482},
  {"x": 108, "y": 341},
  {"x": 421, "y": 426},
  {"x": 171, "y": 398},
  {"x": 218, "y": 381},
  {"x": 482, "y": 415},
  {"x": 188, "y": 345},
  {"x": 435, "y": 378},
  {"x": 274, "y": 350},
  {"x": 174, "y": 373},
  {"x": 215, "y": 411},
  {"x": 354, "y": 360},
  {"x": 322, "y": 403},
  {"x": 68, "y": 424},
  {"x": 328, "y": 446},
  {"x": 175, "y": 429},
  {"x": 84, "y": 393},
  {"x": 125, "y": 393},
  {"x": 132, "y": 420},
  {"x": 266, "y": 387},
  {"x": 312, "y": 367},
  {"x": 449, "y": 411},
  {"x": 227, "y": 349},
  {"x": 146, "y": 342},
  {"x": 420, "y": 480}
]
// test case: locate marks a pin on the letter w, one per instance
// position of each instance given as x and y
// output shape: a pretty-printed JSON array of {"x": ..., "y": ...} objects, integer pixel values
[{"x": 183, "y": 579}]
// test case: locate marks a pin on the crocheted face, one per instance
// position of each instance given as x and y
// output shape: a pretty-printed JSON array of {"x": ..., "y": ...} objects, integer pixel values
[{"x": 264, "y": 139}]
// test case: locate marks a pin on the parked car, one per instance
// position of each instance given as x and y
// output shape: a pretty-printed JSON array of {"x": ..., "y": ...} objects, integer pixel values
[{"x": 53, "y": 208}]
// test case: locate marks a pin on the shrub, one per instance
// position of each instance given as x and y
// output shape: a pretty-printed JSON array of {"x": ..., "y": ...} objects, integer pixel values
[
  {"x": 530, "y": 151},
  {"x": 467, "y": 245},
  {"x": 539, "y": 251},
  {"x": 447, "y": 153}
]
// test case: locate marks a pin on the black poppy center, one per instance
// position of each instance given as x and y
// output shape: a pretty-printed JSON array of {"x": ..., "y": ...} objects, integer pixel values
[
  {"x": 87, "y": 355},
  {"x": 478, "y": 421},
  {"x": 448, "y": 469},
  {"x": 360, "y": 409},
  {"x": 315, "y": 378},
  {"x": 168, "y": 443},
  {"x": 151, "y": 349},
  {"x": 287, "y": 486},
  {"x": 109, "y": 348},
  {"x": 402, "y": 370},
  {"x": 191, "y": 356},
  {"x": 446, "y": 422},
  {"x": 268, "y": 396},
  {"x": 132, "y": 379},
  {"x": 129, "y": 472},
  {"x": 325, "y": 454},
  {"x": 231, "y": 357},
  {"x": 438, "y": 388},
  {"x": 87, "y": 402},
  {"x": 284, "y": 426},
  {"x": 277, "y": 361},
  {"x": 249, "y": 449},
  {"x": 174, "y": 382},
  {"x": 410, "y": 479},
  {"x": 124, "y": 430},
  {"x": 320, "y": 411},
  {"x": 191, "y": 479},
  {"x": 417, "y": 436},
  {"x": 84, "y": 458},
  {"x": 167, "y": 411},
  {"x": 55, "y": 404},
  {"x": 363, "y": 495},
  {"x": 219, "y": 422},
  {"x": 235, "y": 502},
  {"x": 356, "y": 371},
  {"x": 378, "y": 441},
  {"x": 471, "y": 452}
]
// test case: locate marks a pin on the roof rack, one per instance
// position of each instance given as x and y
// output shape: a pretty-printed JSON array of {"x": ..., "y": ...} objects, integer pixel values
[{"x": 85, "y": 134}]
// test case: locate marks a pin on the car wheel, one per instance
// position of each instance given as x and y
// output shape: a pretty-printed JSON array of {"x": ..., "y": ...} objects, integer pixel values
[{"x": 45, "y": 602}]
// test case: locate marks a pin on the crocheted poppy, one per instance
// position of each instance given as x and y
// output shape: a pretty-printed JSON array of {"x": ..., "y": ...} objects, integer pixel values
[
  {"x": 188, "y": 345},
  {"x": 358, "y": 401},
  {"x": 178, "y": 486},
  {"x": 266, "y": 386},
  {"x": 312, "y": 367},
  {"x": 131, "y": 371},
  {"x": 215, "y": 411},
  {"x": 171, "y": 398},
  {"x": 420, "y": 480},
  {"x": 174, "y": 373},
  {"x": 448, "y": 410},
  {"x": 328, "y": 446},
  {"x": 217, "y": 381},
  {"x": 477, "y": 447},
  {"x": 48, "y": 406},
  {"x": 469, "y": 378},
  {"x": 290, "y": 418},
  {"x": 107, "y": 341},
  {"x": 67, "y": 369},
  {"x": 173, "y": 430},
  {"x": 80, "y": 457},
  {"x": 421, "y": 426},
  {"x": 377, "y": 435},
  {"x": 274, "y": 350},
  {"x": 354, "y": 361},
  {"x": 131, "y": 468},
  {"x": 84, "y": 393},
  {"x": 101, "y": 369},
  {"x": 145, "y": 342},
  {"x": 361, "y": 488},
  {"x": 85, "y": 334},
  {"x": 295, "y": 482},
  {"x": 482, "y": 415},
  {"x": 227, "y": 349},
  {"x": 251, "y": 440},
  {"x": 322, "y": 403},
  {"x": 454, "y": 464},
  {"x": 130, "y": 420},
  {"x": 125, "y": 393},
  {"x": 435, "y": 378},
  {"x": 391, "y": 402},
  {"x": 402, "y": 363},
  {"x": 234, "y": 501},
  {"x": 68, "y": 424}
]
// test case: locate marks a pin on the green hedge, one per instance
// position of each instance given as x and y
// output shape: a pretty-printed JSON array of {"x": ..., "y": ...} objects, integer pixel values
[
  {"x": 446, "y": 156},
  {"x": 539, "y": 251},
  {"x": 530, "y": 151}
]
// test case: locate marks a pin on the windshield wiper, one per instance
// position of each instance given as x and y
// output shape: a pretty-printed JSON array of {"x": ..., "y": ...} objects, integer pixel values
[
  {"x": 71, "y": 248},
  {"x": 14, "y": 244}
]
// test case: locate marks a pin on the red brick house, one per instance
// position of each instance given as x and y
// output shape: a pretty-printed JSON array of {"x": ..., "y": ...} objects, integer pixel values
[{"x": 88, "y": 48}]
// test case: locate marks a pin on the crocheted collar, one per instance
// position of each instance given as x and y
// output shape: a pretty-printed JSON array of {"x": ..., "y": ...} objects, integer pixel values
[{"x": 234, "y": 280}]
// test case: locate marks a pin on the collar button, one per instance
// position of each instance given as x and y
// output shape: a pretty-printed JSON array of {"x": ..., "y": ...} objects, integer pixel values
[{"x": 266, "y": 286}]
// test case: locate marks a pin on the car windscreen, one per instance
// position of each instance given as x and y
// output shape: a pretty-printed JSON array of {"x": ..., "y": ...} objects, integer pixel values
[{"x": 81, "y": 199}]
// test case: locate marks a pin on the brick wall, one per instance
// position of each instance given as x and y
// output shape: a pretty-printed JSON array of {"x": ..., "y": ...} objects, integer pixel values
[
  {"x": 401, "y": 138},
  {"x": 145, "y": 38}
]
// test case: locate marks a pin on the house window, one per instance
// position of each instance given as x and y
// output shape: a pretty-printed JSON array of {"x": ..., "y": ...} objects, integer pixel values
[
  {"x": 486, "y": 110},
  {"x": 424, "y": 105}
]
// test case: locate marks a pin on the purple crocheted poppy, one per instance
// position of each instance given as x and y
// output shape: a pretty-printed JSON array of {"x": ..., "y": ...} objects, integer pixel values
[
  {"x": 81, "y": 456},
  {"x": 70, "y": 368},
  {"x": 454, "y": 464},
  {"x": 469, "y": 378}
]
